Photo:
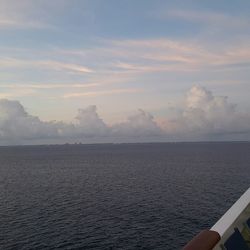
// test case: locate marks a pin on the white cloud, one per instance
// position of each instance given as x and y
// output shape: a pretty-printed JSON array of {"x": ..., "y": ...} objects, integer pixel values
[
  {"x": 17, "y": 125},
  {"x": 202, "y": 116},
  {"x": 205, "y": 114},
  {"x": 8, "y": 62},
  {"x": 89, "y": 122},
  {"x": 99, "y": 93},
  {"x": 140, "y": 124}
]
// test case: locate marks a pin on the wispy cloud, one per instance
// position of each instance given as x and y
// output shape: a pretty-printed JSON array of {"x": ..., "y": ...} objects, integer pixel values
[
  {"x": 141, "y": 68},
  {"x": 169, "y": 55},
  {"x": 205, "y": 17},
  {"x": 13, "y": 94},
  {"x": 163, "y": 43},
  {"x": 27, "y": 14},
  {"x": 100, "y": 93},
  {"x": 125, "y": 60},
  {"x": 64, "y": 66},
  {"x": 22, "y": 24},
  {"x": 9, "y": 62},
  {"x": 159, "y": 55},
  {"x": 49, "y": 86}
]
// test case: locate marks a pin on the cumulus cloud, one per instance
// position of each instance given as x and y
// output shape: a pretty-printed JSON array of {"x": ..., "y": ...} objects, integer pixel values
[
  {"x": 140, "y": 124},
  {"x": 17, "y": 124},
  {"x": 207, "y": 112},
  {"x": 203, "y": 115},
  {"x": 89, "y": 122}
]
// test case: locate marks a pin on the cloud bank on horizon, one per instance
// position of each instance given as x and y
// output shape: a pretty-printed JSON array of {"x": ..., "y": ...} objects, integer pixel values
[{"x": 203, "y": 116}]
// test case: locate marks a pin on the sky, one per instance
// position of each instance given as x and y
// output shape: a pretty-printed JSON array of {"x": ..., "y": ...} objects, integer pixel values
[{"x": 124, "y": 71}]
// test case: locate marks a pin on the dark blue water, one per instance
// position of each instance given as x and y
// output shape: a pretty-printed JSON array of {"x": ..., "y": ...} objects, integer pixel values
[{"x": 141, "y": 196}]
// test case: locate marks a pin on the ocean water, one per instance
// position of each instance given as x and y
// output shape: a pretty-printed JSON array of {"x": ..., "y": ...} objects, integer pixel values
[{"x": 126, "y": 196}]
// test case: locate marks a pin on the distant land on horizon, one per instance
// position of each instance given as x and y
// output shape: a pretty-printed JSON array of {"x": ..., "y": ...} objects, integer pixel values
[{"x": 125, "y": 143}]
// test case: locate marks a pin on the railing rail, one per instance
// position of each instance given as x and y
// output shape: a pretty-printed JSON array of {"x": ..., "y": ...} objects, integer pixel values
[
  {"x": 232, "y": 214},
  {"x": 208, "y": 239},
  {"x": 205, "y": 240}
]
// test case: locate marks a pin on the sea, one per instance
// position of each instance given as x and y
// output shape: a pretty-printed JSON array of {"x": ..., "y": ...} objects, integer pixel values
[{"x": 117, "y": 196}]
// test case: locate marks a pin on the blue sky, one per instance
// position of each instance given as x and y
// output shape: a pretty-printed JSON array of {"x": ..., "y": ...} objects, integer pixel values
[{"x": 62, "y": 55}]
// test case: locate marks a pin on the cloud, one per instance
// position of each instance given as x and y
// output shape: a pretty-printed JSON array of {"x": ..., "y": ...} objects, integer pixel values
[
  {"x": 203, "y": 116},
  {"x": 89, "y": 122},
  {"x": 64, "y": 66},
  {"x": 207, "y": 115},
  {"x": 17, "y": 125},
  {"x": 168, "y": 55},
  {"x": 207, "y": 112},
  {"x": 127, "y": 60},
  {"x": 28, "y": 14},
  {"x": 49, "y": 86},
  {"x": 15, "y": 93},
  {"x": 143, "y": 56},
  {"x": 22, "y": 24},
  {"x": 206, "y": 17},
  {"x": 140, "y": 124},
  {"x": 99, "y": 93},
  {"x": 43, "y": 64}
]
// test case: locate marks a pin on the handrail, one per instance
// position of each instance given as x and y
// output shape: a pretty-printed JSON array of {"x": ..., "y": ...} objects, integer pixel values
[
  {"x": 205, "y": 240},
  {"x": 227, "y": 220}
]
